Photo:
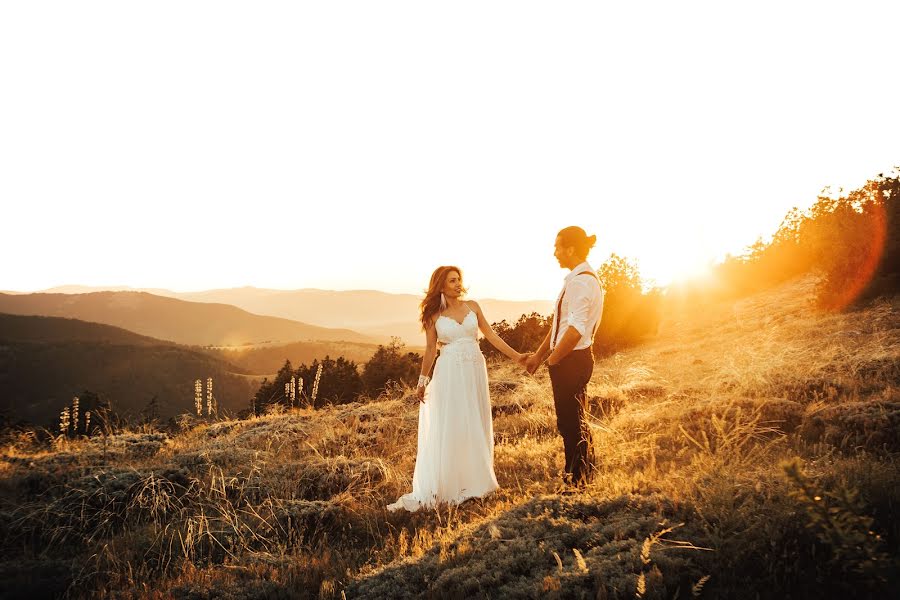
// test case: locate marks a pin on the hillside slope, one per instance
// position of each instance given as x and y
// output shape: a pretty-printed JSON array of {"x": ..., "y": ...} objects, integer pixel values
[
  {"x": 45, "y": 361},
  {"x": 21, "y": 328},
  {"x": 192, "y": 323},
  {"x": 378, "y": 314},
  {"x": 749, "y": 452}
]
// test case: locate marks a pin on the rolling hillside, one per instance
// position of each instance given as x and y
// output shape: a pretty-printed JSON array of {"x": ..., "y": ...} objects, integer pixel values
[
  {"x": 45, "y": 361},
  {"x": 192, "y": 323},
  {"x": 377, "y": 314},
  {"x": 748, "y": 452},
  {"x": 20, "y": 328}
]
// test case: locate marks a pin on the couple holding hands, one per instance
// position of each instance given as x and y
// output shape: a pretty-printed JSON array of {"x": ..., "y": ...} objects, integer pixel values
[{"x": 455, "y": 457}]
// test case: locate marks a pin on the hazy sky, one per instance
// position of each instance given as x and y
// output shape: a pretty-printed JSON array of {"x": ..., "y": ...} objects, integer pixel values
[{"x": 347, "y": 145}]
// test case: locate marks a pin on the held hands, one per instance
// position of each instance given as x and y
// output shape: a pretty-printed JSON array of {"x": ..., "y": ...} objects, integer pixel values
[
  {"x": 529, "y": 362},
  {"x": 532, "y": 363}
]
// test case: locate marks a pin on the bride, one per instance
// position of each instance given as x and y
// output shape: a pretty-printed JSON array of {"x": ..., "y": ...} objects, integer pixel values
[{"x": 455, "y": 459}]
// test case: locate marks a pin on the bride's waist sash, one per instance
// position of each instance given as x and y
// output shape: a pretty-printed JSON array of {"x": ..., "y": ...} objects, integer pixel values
[{"x": 465, "y": 348}]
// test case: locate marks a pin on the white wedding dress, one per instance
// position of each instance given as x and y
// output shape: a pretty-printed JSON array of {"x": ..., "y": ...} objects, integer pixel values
[{"x": 455, "y": 459}]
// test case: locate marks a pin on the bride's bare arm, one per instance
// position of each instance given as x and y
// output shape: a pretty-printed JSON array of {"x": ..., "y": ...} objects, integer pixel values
[
  {"x": 495, "y": 340},
  {"x": 428, "y": 359}
]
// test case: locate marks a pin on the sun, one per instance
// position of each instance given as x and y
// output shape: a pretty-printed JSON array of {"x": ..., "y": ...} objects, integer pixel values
[{"x": 665, "y": 268}]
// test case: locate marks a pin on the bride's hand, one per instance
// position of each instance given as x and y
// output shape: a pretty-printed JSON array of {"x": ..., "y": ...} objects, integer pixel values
[
  {"x": 522, "y": 359},
  {"x": 420, "y": 393}
]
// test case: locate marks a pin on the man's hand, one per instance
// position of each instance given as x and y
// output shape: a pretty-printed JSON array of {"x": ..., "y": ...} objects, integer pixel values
[{"x": 532, "y": 363}]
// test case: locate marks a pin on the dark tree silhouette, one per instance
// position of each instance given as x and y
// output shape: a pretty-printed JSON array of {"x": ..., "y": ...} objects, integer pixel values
[
  {"x": 390, "y": 364},
  {"x": 340, "y": 381},
  {"x": 525, "y": 335}
]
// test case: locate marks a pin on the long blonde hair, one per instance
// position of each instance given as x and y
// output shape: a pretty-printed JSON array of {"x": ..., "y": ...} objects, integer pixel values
[{"x": 431, "y": 304}]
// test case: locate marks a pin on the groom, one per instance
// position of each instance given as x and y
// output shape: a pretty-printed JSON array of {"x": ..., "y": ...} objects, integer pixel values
[{"x": 570, "y": 361}]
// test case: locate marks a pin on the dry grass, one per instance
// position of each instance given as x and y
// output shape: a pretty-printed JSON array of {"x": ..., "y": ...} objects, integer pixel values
[{"x": 690, "y": 497}]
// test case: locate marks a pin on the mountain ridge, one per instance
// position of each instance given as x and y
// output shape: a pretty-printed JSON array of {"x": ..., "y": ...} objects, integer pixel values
[
  {"x": 175, "y": 320},
  {"x": 373, "y": 313}
]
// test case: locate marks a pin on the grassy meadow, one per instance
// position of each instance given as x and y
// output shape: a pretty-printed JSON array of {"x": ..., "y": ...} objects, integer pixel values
[{"x": 749, "y": 451}]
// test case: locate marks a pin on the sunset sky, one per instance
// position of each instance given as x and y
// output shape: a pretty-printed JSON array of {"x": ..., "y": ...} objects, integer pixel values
[{"x": 358, "y": 145}]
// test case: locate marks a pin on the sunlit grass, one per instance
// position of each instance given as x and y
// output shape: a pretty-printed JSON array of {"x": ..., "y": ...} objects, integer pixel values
[{"x": 691, "y": 432}]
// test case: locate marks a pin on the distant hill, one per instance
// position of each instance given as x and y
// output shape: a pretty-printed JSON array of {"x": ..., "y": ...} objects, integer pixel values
[
  {"x": 377, "y": 314},
  {"x": 45, "y": 361},
  {"x": 19, "y": 328},
  {"x": 87, "y": 289},
  {"x": 362, "y": 310},
  {"x": 171, "y": 319}
]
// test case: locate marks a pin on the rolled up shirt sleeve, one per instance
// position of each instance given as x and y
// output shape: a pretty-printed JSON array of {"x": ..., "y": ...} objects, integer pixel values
[{"x": 579, "y": 306}]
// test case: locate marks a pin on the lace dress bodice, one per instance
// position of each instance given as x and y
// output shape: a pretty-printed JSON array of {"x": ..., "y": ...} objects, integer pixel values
[
  {"x": 450, "y": 331},
  {"x": 459, "y": 340}
]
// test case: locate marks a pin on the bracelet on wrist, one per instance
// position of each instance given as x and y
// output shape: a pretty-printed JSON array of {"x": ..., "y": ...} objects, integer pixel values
[{"x": 424, "y": 380}]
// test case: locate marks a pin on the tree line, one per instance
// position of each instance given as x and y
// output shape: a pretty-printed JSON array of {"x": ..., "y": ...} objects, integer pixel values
[
  {"x": 340, "y": 380},
  {"x": 850, "y": 238}
]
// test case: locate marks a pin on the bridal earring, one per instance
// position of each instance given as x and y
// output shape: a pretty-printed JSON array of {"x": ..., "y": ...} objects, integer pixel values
[{"x": 443, "y": 302}]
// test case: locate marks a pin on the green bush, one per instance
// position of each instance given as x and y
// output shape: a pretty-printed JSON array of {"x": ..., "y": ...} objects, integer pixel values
[
  {"x": 390, "y": 365},
  {"x": 525, "y": 335}
]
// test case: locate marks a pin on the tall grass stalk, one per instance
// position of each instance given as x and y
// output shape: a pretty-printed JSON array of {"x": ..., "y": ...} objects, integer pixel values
[{"x": 198, "y": 397}]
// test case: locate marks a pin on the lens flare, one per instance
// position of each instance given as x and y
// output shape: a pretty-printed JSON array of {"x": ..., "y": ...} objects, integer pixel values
[{"x": 868, "y": 256}]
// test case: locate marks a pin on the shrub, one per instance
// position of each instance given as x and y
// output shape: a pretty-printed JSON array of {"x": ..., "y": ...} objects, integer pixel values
[
  {"x": 525, "y": 335},
  {"x": 339, "y": 383},
  {"x": 855, "y": 553},
  {"x": 629, "y": 314},
  {"x": 390, "y": 365}
]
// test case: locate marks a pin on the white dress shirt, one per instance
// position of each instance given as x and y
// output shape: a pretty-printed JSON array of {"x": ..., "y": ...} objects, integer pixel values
[{"x": 582, "y": 307}]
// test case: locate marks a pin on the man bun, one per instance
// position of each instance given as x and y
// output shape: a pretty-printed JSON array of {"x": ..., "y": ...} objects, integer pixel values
[{"x": 575, "y": 237}]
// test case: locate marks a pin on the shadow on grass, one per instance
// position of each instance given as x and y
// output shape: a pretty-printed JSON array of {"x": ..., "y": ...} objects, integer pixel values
[{"x": 550, "y": 546}]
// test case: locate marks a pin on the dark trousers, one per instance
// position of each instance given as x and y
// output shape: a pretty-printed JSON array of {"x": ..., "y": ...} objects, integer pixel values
[{"x": 569, "y": 379}]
